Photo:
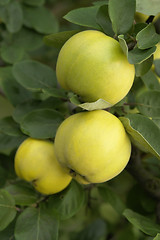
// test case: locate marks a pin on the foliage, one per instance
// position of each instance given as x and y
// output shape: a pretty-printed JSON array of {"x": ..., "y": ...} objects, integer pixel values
[{"x": 32, "y": 104}]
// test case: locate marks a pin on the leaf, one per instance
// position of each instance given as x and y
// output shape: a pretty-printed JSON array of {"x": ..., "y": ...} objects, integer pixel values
[
  {"x": 67, "y": 203},
  {"x": 55, "y": 92},
  {"x": 150, "y": 81},
  {"x": 122, "y": 15},
  {"x": 96, "y": 230},
  {"x": 8, "y": 233},
  {"x": 157, "y": 66},
  {"x": 143, "y": 132},
  {"x": 35, "y": 3},
  {"x": 104, "y": 21},
  {"x": 7, "y": 209},
  {"x": 3, "y": 176},
  {"x": 58, "y": 39},
  {"x": 34, "y": 75},
  {"x": 157, "y": 237},
  {"x": 143, "y": 223},
  {"x": 148, "y": 7},
  {"x": 40, "y": 19},
  {"x": 149, "y": 103},
  {"x": 144, "y": 67},
  {"x": 4, "y": 2},
  {"x": 123, "y": 44},
  {"x": 23, "y": 193},
  {"x": 112, "y": 198},
  {"x": 90, "y": 106},
  {"x": 41, "y": 124},
  {"x": 36, "y": 223},
  {"x": 147, "y": 37},
  {"x": 9, "y": 127},
  {"x": 84, "y": 17},
  {"x": 138, "y": 56},
  {"x": 101, "y": 2},
  {"x": 24, "y": 108},
  {"x": 6, "y": 107},
  {"x": 9, "y": 143},
  {"x": 15, "y": 47},
  {"x": 11, "y": 88},
  {"x": 12, "y": 15}
]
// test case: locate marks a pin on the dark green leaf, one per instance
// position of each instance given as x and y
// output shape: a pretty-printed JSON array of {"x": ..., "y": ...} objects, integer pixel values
[
  {"x": 138, "y": 56},
  {"x": 143, "y": 223},
  {"x": 104, "y": 21},
  {"x": 9, "y": 127},
  {"x": 11, "y": 88},
  {"x": 148, "y": 7},
  {"x": 55, "y": 92},
  {"x": 12, "y": 15},
  {"x": 144, "y": 67},
  {"x": 9, "y": 143},
  {"x": 36, "y": 224},
  {"x": 3, "y": 176},
  {"x": 122, "y": 15},
  {"x": 41, "y": 123},
  {"x": 112, "y": 198},
  {"x": 8, "y": 233},
  {"x": 22, "y": 193},
  {"x": 40, "y": 19},
  {"x": 4, "y": 2},
  {"x": 58, "y": 39},
  {"x": 150, "y": 81},
  {"x": 97, "y": 230},
  {"x": 26, "y": 107},
  {"x": 15, "y": 46},
  {"x": 123, "y": 44},
  {"x": 157, "y": 237},
  {"x": 7, "y": 209},
  {"x": 34, "y": 75},
  {"x": 101, "y": 2},
  {"x": 6, "y": 108},
  {"x": 68, "y": 202},
  {"x": 84, "y": 17},
  {"x": 143, "y": 132},
  {"x": 157, "y": 66},
  {"x": 147, "y": 37},
  {"x": 35, "y": 3},
  {"x": 149, "y": 103}
]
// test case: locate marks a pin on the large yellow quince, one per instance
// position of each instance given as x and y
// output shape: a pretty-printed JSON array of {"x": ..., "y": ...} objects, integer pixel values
[
  {"x": 92, "y": 146},
  {"x": 35, "y": 162},
  {"x": 93, "y": 65}
]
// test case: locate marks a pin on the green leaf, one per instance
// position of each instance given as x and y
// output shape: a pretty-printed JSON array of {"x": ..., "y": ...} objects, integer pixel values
[
  {"x": 112, "y": 198},
  {"x": 26, "y": 107},
  {"x": 123, "y": 44},
  {"x": 90, "y": 106},
  {"x": 23, "y": 193},
  {"x": 55, "y": 92},
  {"x": 58, "y": 39},
  {"x": 41, "y": 123},
  {"x": 149, "y": 103},
  {"x": 150, "y": 81},
  {"x": 101, "y": 2},
  {"x": 6, "y": 107},
  {"x": 84, "y": 17},
  {"x": 9, "y": 127},
  {"x": 9, "y": 143},
  {"x": 147, "y": 37},
  {"x": 12, "y": 15},
  {"x": 8, "y": 233},
  {"x": 67, "y": 203},
  {"x": 144, "y": 67},
  {"x": 11, "y": 88},
  {"x": 34, "y": 75},
  {"x": 3, "y": 176},
  {"x": 143, "y": 223},
  {"x": 104, "y": 21},
  {"x": 40, "y": 19},
  {"x": 138, "y": 55},
  {"x": 96, "y": 230},
  {"x": 122, "y": 15},
  {"x": 36, "y": 223},
  {"x": 148, "y": 7},
  {"x": 157, "y": 237},
  {"x": 35, "y": 3},
  {"x": 7, "y": 209},
  {"x": 157, "y": 66},
  {"x": 14, "y": 47},
  {"x": 4, "y": 2},
  {"x": 143, "y": 132}
]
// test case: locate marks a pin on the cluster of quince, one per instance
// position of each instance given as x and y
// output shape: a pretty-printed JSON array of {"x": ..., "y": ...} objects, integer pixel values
[{"x": 90, "y": 146}]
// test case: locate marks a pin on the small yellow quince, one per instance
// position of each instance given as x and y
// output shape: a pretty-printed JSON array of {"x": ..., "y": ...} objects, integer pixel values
[
  {"x": 35, "y": 162},
  {"x": 92, "y": 146}
]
